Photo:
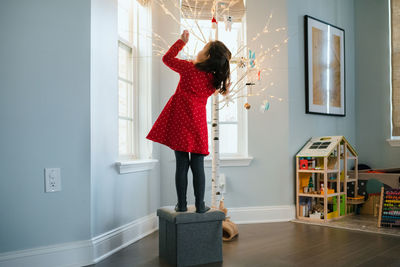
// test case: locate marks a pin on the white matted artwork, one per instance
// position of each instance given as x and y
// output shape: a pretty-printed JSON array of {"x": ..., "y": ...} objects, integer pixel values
[{"x": 325, "y": 68}]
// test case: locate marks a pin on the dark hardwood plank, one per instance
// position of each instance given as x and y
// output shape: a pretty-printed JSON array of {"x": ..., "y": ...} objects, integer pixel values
[{"x": 280, "y": 244}]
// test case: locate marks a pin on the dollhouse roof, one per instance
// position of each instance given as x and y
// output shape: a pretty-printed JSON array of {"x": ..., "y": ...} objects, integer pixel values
[{"x": 323, "y": 146}]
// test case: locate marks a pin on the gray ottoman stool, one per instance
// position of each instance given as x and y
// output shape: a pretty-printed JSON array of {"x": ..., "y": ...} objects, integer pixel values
[{"x": 190, "y": 238}]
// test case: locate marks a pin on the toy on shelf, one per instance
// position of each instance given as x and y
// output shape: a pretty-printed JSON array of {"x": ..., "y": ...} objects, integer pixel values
[
  {"x": 330, "y": 191},
  {"x": 371, "y": 205},
  {"x": 303, "y": 164},
  {"x": 355, "y": 200},
  {"x": 310, "y": 183},
  {"x": 321, "y": 179}
]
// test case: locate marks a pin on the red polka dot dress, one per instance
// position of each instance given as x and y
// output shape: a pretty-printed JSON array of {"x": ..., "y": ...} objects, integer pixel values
[{"x": 182, "y": 124}]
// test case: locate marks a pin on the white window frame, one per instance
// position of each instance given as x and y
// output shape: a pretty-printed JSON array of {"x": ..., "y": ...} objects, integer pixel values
[
  {"x": 141, "y": 157},
  {"x": 241, "y": 158},
  {"x": 132, "y": 93}
]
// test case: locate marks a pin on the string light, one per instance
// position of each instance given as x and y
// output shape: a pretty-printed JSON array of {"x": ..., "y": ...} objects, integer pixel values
[{"x": 251, "y": 73}]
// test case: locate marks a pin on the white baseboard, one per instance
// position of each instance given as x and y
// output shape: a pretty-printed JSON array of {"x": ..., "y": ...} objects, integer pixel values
[
  {"x": 67, "y": 254},
  {"x": 262, "y": 214},
  {"x": 87, "y": 252},
  {"x": 108, "y": 243},
  {"x": 84, "y": 252}
]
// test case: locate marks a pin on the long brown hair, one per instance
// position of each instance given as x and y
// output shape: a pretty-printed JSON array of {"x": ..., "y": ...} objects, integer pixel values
[{"x": 218, "y": 64}]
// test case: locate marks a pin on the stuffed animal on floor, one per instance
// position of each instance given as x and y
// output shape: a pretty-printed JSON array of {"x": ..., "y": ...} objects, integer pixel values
[{"x": 229, "y": 228}]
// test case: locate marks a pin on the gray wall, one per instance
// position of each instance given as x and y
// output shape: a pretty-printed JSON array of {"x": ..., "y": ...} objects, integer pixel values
[
  {"x": 303, "y": 126},
  {"x": 373, "y": 84},
  {"x": 116, "y": 199},
  {"x": 45, "y": 121},
  {"x": 58, "y": 104}
]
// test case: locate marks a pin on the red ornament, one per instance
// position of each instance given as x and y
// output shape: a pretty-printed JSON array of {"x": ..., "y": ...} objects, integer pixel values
[{"x": 214, "y": 23}]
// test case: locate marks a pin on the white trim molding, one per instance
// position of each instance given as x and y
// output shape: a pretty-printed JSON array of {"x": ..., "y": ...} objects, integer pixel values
[
  {"x": 109, "y": 243},
  {"x": 135, "y": 165},
  {"x": 262, "y": 214},
  {"x": 229, "y": 161},
  {"x": 82, "y": 253},
  {"x": 394, "y": 141},
  {"x": 67, "y": 254}
]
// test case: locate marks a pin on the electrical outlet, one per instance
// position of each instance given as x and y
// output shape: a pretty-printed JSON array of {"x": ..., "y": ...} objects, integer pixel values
[
  {"x": 52, "y": 179},
  {"x": 222, "y": 183}
]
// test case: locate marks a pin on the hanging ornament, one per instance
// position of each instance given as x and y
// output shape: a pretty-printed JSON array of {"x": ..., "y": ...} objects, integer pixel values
[
  {"x": 228, "y": 99},
  {"x": 264, "y": 106},
  {"x": 252, "y": 58},
  {"x": 247, "y": 106},
  {"x": 214, "y": 23},
  {"x": 242, "y": 62},
  {"x": 228, "y": 23}
]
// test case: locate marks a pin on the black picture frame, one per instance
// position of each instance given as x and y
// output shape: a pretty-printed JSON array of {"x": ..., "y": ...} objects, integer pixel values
[{"x": 325, "y": 82}]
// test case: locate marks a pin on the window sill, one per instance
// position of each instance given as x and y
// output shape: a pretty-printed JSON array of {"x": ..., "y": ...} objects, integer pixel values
[
  {"x": 394, "y": 142},
  {"x": 140, "y": 165},
  {"x": 229, "y": 161}
]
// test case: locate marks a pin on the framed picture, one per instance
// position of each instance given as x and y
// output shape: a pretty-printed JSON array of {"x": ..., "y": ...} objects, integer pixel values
[{"x": 324, "y": 68}]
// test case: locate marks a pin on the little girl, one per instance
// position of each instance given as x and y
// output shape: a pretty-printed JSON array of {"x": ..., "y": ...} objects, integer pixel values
[{"x": 182, "y": 124}]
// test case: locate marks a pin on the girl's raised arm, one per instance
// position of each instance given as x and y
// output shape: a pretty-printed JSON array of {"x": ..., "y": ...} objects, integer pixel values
[{"x": 176, "y": 64}]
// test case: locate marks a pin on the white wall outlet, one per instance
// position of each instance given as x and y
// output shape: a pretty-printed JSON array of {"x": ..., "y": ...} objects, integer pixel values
[
  {"x": 52, "y": 179},
  {"x": 222, "y": 183}
]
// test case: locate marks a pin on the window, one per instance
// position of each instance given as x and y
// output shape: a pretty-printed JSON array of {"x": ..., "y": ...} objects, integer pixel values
[
  {"x": 126, "y": 94},
  {"x": 232, "y": 118},
  {"x": 134, "y": 95}
]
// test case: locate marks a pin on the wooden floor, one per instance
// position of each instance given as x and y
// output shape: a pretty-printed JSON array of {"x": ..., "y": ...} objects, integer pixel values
[{"x": 281, "y": 244}]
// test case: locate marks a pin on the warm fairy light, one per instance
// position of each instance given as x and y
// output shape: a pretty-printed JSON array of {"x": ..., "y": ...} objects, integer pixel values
[{"x": 254, "y": 76}]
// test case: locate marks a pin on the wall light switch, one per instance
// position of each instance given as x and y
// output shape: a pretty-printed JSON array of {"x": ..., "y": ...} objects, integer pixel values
[
  {"x": 52, "y": 179},
  {"x": 222, "y": 183}
]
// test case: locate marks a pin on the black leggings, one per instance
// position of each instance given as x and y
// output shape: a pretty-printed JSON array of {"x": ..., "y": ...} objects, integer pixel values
[{"x": 196, "y": 164}]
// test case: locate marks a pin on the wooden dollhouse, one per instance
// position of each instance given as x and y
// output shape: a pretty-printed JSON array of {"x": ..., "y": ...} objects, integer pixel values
[{"x": 322, "y": 179}]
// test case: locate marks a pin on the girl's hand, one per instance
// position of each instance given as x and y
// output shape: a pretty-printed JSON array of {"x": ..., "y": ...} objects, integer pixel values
[{"x": 185, "y": 36}]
